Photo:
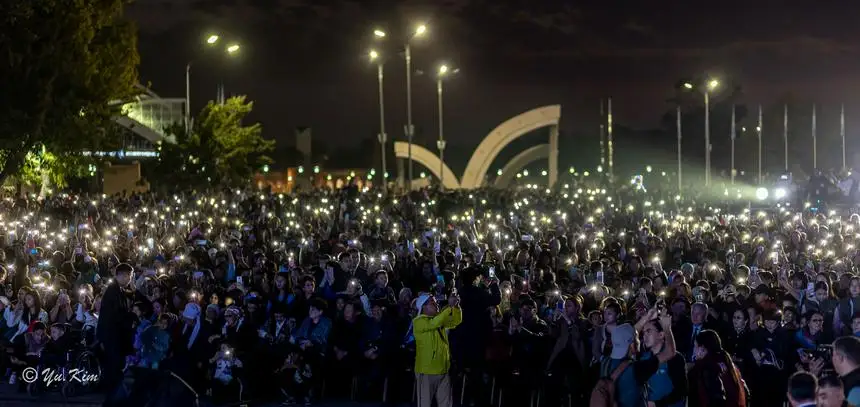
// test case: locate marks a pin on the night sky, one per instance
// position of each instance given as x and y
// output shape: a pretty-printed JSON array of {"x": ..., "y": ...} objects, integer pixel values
[{"x": 303, "y": 61}]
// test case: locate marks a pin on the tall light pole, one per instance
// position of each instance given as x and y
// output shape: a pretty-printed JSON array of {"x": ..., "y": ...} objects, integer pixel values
[
  {"x": 443, "y": 72},
  {"x": 710, "y": 85},
  {"x": 758, "y": 131},
  {"x": 211, "y": 40},
  {"x": 374, "y": 57},
  {"x": 410, "y": 129},
  {"x": 678, "y": 128},
  {"x": 734, "y": 135}
]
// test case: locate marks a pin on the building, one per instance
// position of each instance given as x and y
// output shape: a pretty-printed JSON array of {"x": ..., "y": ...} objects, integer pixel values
[{"x": 284, "y": 182}]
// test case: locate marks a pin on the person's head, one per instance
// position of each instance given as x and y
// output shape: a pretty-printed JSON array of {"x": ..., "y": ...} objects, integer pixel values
[
  {"x": 308, "y": 285},
  {"x": 815, "y": 322},
  {"x": 123, "y": 274},
  {"x": 653, "y": 336},
  {"x": 191, "y": 314},
  {"x": 281, "y": 281},
  {"x": 699, "y": 313},
  {"x": 739, "y": 319},
  {"x": 377, "y": 311},
  {"x": 855, "y": 323},
  {"x": 707, "y": 342},
  {"x": 141, "y": 309},
  {"x": 317, "y": 309},
  {"x": 39, "y": 330},
  {"x": 572, "y": 307},
  {"x": 802, "y": 388},
  {"x": 57, "y": 331},
  {"x": 528, "y": 310},
  {"x": 425, "y": 304},
  {"x": 830, "y": 391},
  {"x": 232, "y": 316},
  {"x": 351, "y": 310},
  {"x": 771, "y": 320},
  {"x": 611, "y": 313},
  {"x": 846, "y": 354},
  {"x": 381, "y": 279},
  {"x": 624, "y": 341},
  {"x": 157, "y": 307},
  {"x": 164, "y": 321},
  {"x": 31, "y": 299},
  {"x": 854, "y": 286},
  {"x": 822, "y": 291}
]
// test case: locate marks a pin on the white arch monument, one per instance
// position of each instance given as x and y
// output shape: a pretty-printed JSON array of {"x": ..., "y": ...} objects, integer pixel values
[{"x": 491, "y": 146}]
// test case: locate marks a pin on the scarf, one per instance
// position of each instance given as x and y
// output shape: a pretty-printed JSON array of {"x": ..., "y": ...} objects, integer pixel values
[{"x": 192, "y": 311}]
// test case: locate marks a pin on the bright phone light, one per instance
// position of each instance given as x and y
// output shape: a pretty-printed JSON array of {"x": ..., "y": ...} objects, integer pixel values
[{"x": 780, "y": 193}]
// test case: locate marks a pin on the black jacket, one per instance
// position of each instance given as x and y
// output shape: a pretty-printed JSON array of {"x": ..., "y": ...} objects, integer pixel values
[{"x": 115, "y": 328}]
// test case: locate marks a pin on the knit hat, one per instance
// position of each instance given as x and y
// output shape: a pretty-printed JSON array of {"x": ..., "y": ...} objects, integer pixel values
[
  {"x": 420, "y": 301},
  {"x": 192, "y": 311},
  {"x": 622, "y": 337}
]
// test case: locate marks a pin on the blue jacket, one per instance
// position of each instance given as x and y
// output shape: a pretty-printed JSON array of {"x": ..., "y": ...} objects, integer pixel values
[{"x": 317, "y": 334}]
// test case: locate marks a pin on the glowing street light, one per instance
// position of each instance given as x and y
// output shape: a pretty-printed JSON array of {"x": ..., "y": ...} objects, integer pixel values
[
  {"x": 443, "y": 72},
  {"x": 709, "y": 86},
  {"x": 712, "y": 84},
  {"x": 379, "y": 33},
  {"x": 212, "y": 39},
  {"x": 374, "y": 57},
  {"x": 410, "y": 129},
  {"x": 233, "y": 48}
]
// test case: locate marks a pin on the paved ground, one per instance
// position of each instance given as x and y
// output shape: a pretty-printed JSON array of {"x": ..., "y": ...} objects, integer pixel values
[
  {"x": 28, "y": 403},
  {"x": 10, "y": 397}
]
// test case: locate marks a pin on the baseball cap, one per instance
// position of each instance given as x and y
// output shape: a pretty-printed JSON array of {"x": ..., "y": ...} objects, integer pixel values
[{"x": 622, "y": 337}]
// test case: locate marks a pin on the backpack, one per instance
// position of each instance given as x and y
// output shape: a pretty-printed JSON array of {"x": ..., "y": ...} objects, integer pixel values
[{"x": 603, "y": 394}]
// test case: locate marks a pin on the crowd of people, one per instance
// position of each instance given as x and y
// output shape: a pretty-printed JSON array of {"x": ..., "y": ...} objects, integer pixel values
[{"x": 543, "y": 297}]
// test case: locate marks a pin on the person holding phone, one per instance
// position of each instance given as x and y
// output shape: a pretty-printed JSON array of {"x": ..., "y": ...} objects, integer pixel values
[
  {"x": 473, "y": 335},
  {"x": 568, "y": 361},
  {"x": 433, "y": 356}
]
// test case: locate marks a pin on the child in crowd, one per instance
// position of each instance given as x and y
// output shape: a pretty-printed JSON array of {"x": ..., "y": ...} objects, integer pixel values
[
  {"x": 34, "y": 343},
  {"x": 154, "y": 343},
  {"x": 225, "y": 385},
  {"x": 297, "y": 373},
  {"x": 54, "y": 352}
]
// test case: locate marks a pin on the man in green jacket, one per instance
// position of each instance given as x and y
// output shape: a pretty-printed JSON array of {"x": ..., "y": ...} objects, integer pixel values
[{"x": 433, "y": 356}]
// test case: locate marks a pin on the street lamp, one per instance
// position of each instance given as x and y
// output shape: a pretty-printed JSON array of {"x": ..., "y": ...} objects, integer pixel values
[
  {"x": 710, "y": 85},
  {"x": 374, "y": 57},
  {"x": 211, "y": 40},
  {"x": 410, "y": 129},
  {"x": 443, "y": 72}
]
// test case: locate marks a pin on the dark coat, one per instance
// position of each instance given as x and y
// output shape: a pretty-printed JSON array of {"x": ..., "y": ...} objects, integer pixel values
[{"x": 115, "y": 328}]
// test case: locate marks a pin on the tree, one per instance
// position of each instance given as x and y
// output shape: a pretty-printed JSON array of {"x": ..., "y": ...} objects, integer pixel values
[
  {"x": 219, "y": 151},
  {"x": 63, "y": 63},
  {"x": 46, "y": 169},
  {"x": 236, "y": 150}
]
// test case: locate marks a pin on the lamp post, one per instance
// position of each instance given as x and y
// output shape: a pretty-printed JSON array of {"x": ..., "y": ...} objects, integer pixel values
[
  {"x": 212, "y": 40},
  {"x": 709, "y": 86},
  {"x": 374, "y": 56},
  {"x": 410, "y": 129},
  {"x": 444, "y": 71}
]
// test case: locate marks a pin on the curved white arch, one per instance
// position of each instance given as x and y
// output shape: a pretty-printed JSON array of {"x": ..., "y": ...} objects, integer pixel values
[
  {"x": 526, "y": 157},
  {"x": 428, "y": 159},
  {"x": 501, "y": 136}
]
